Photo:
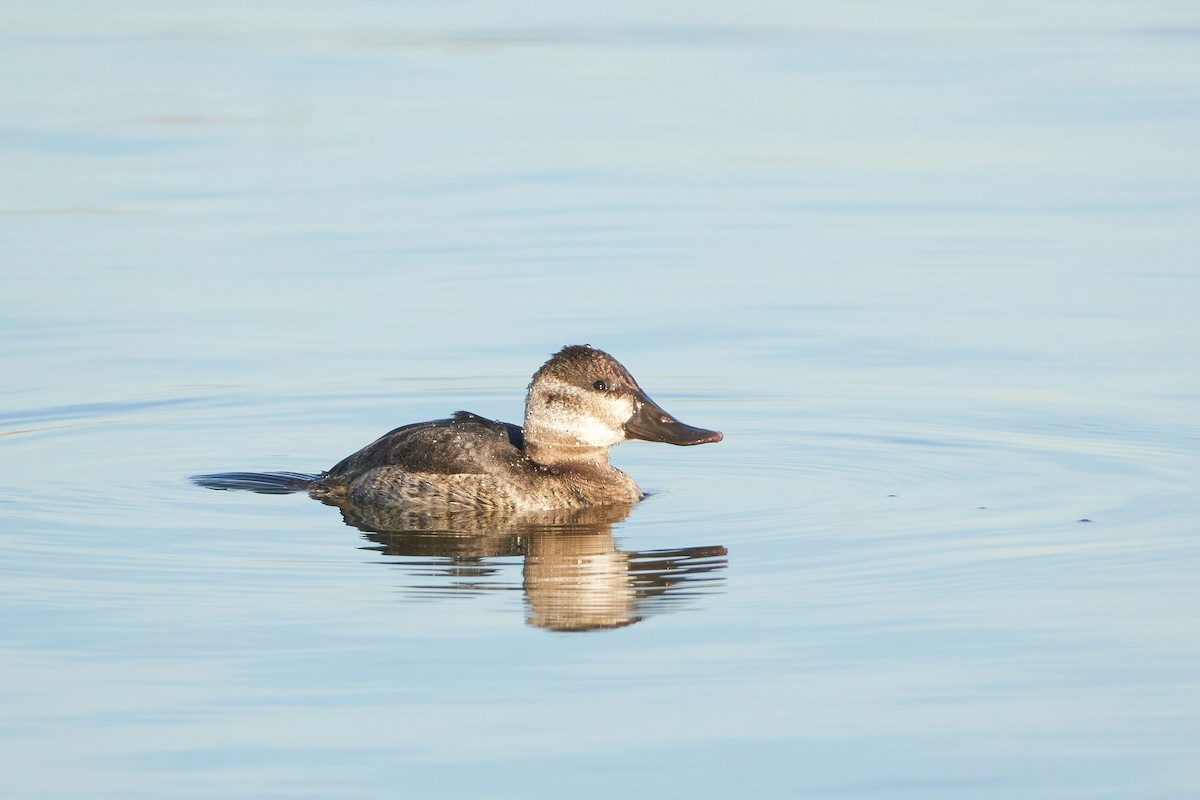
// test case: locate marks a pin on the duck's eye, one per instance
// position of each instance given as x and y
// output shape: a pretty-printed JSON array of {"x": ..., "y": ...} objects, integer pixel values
[{"x": 600, "y": 386}]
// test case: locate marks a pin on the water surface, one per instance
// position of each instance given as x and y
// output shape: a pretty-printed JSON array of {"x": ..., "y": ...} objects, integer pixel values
[{"x": 932, "y": 271}]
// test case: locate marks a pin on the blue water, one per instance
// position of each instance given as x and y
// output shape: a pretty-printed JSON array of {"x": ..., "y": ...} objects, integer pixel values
[{"x": 933, "y": 270}]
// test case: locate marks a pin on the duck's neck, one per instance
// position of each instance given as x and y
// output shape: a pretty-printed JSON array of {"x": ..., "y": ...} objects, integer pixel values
[{"x": 558, "y": 453}]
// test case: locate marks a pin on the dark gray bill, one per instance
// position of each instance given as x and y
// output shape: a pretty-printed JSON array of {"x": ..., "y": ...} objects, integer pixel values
[{"x": 653, "y": 424}]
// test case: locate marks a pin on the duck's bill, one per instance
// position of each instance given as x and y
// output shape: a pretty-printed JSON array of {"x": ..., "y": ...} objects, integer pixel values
[{"x": 653, "y": 424}]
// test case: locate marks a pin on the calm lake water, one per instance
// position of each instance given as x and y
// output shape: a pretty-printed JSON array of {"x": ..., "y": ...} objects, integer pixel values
[{"x": 933, "y": 270}]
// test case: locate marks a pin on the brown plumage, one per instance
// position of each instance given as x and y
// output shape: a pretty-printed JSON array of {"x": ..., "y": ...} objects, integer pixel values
[{"x": 579, "y": 404}]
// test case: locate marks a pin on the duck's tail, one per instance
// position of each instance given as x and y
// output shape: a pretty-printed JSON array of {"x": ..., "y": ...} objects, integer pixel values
[{"x": 261, "y": 482}]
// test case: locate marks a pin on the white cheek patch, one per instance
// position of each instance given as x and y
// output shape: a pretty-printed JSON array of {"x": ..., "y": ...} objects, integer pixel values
[
  {"x": 588, "y": 420},
  {"x": 595, "y": 433}
]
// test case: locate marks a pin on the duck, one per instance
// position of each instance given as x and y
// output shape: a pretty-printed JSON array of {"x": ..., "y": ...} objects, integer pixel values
[{"x": 579, "y": 405}]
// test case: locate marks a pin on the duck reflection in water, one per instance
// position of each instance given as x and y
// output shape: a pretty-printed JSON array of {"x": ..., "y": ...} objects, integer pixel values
[{"x": 574, "y": 577}]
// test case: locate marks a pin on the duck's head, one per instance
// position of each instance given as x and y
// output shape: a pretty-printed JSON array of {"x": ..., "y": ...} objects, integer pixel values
[{"x": 582, "y": 402}]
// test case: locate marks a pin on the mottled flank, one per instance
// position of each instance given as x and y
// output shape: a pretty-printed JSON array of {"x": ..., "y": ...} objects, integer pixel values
[{"x": 467, "y": 462}]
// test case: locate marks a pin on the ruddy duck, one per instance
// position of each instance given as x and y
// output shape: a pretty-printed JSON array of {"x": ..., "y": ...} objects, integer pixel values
[{"x": 579, "y": 405}]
